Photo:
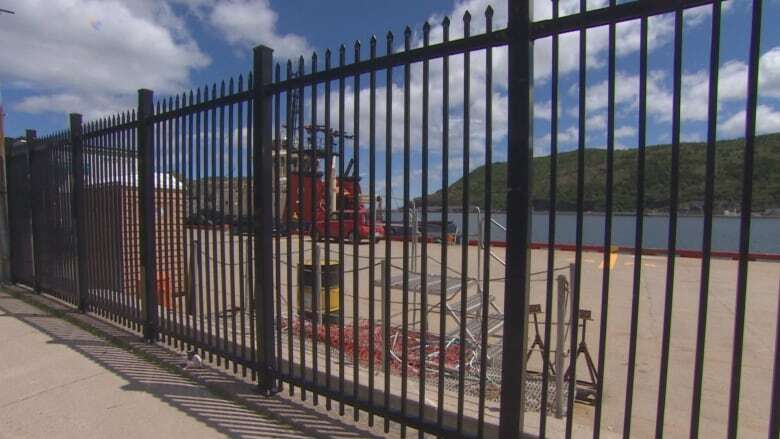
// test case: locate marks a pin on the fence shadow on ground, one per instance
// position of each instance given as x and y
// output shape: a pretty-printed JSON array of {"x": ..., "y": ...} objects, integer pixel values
[{"x": 269, "y": 417}]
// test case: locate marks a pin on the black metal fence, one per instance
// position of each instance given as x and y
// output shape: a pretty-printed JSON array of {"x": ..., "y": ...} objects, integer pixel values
[{"x": 246, "y": 221}]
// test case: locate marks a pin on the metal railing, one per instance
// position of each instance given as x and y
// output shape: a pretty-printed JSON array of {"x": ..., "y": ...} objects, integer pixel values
[{"x": 233, "y": 221}]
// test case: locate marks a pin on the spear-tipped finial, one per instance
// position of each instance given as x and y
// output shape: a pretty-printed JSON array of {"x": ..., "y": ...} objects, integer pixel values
[
  {"x": 467, "y": 17},
  {"x": 372, "y": 41},
  {"x": 489, "y": 11},
  {"x": 446, "y": 21},
  {"x": 327, "y": 53}
]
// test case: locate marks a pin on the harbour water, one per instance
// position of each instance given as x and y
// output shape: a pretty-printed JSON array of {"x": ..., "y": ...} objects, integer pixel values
[{"x": 764, "y": 231}]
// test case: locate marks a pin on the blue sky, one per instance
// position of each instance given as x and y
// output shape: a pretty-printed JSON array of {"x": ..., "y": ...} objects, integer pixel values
[{"x": 90, "y": 56}]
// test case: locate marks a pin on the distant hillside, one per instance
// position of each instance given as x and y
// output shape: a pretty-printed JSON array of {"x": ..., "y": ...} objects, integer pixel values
[{"x": 728, "y": 178}]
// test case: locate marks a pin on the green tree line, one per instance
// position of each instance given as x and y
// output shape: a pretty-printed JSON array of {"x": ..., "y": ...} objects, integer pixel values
[{"x": 729, "y": 157}]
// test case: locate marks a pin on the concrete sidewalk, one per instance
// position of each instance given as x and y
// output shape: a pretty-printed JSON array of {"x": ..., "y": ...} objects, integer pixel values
[{"x": 59, "y": 380}]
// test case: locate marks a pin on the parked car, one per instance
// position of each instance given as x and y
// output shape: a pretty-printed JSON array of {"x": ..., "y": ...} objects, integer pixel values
[{"x": 209, "y": 218}]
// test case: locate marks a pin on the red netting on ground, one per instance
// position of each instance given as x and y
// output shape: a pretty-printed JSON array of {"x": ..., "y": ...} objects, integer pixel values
[{"x": 365, "y": 329}]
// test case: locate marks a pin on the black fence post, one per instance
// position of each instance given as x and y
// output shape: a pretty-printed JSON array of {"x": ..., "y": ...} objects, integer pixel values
[
  {"x": 261, "y": 150},
  {"x": 9, "y": 211},
  {"x": 147, "y": 207},
  {"x": 77, "y": 194},
  {"x": 30, "y": 136},
  {"x": 520, "y": 154}
]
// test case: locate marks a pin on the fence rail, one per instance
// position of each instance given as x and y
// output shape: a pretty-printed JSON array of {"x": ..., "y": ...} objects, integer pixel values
[{"x": 232, "y": 221}]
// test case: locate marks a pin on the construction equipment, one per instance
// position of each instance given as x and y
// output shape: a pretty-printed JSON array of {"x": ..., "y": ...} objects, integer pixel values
[{"x": 324, "y": 203}]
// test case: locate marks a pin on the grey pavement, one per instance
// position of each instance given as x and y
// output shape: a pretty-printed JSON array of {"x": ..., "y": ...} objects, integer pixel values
[{"x": 59, "y": 380}]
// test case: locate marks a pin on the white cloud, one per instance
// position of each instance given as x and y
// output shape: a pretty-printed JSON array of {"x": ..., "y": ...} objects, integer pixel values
[
  {"x": 596, "y": 122},
  {"x": 732, "y": 86},
  {"x": 93, "y": 106},
  {"x": 252, "y": 22},
  {"x": 767, "y": 121},
  {"x": 625, "y": 131},
  {"x": 94, "y": 55}
]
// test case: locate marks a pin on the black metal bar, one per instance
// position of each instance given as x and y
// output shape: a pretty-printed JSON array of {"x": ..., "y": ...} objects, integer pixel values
[
  {"x": 262, "y": 146},
  {"x": 301, "y": 244},
  {"x": 147, "y": 208},
  {"x": 204, "y": 106},
  {"x": 673, "y": 209},
  {"x": 576, "y": 273},
  {"x": 389, "y": 414},
  {"x": 288, "y": 226},
  {"x": 212, "y": 267},
  {"x": 371, "y": 225},
  {"x": 277, "y": 222},
  {"x": 606, "y": 261},
  {"x": 189, "y": 255},
  {"x": 222, "y": 259},
  {"x": 465, "y": 234},
  {"x": 477, "y": 42},
  {"x": 613, "y": 14},
  {"x": 236, "y": 222},
  {"x": 30, "y": 137},
  {"x": 342, "y": 394},
  {"x": 77, "y": 170},
  {"x": 161, "y": 193},
  {"x": 122, "y": 126},
  {"x": 745, "y": 218},
  {"x": 639, "y": 228},
  {"x": 203, "y": 302},
  {"x": 328, "y": 204},
  {"x": 407, "y": 234},
  {"x": 97, "y": 171},
  {"x": 127, "y": 212},
  {"x": 483, "y": 359},
  {"x": 250, "y": 208},
  {"x": 424, "y": 253},
  {"x": 553, "y": 191},
  {"x": 709, "y": 195},
  {"x": 388, "y": 208},
  {"x": 169, "y": 239},
  {"x": 242, "y": 293},
  {"x": 520, "y": 154},
  {"x": 316, "y": 268},
  {"x": 105, "y": 235},
  {"x": 356, "y": 235},
  {"x": 445, "y": 153}
]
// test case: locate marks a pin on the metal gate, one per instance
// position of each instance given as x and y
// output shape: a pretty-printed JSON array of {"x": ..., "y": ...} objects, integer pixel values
[{"x": 286, "y": 225}]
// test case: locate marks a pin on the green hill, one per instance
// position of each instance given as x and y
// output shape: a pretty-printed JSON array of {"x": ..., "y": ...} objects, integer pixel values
[{"x": 728, "y": 178}]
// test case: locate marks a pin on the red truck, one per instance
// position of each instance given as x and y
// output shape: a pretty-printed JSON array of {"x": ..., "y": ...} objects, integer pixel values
[{"x": 310, "y": 183}]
